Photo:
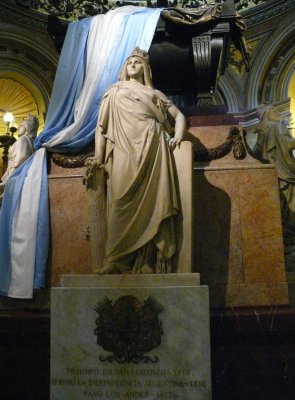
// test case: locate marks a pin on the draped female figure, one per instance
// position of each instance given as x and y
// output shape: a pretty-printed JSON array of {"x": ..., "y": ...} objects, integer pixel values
[{"x": 134, "y": 145}]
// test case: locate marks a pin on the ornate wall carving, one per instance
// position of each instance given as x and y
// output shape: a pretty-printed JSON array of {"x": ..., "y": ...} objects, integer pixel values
[
  {"x": 73, "y": 9},
  {"x": 270, "y": 37}
]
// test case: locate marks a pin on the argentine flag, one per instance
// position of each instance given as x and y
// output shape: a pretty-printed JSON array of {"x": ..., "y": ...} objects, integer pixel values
[{"x": 92, "y": 56}]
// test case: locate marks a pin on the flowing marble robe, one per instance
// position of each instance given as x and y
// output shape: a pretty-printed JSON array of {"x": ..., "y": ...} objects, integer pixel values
[
  {"x": 18, "y": 153},
  {"x": 141, "y": 188}
]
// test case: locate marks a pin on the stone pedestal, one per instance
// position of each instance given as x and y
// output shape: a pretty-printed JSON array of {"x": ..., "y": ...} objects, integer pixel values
[
  {"x": 130, "y": 337},
  {"x": 70, "y": 246},
  {"x": 238, "y": 247}
]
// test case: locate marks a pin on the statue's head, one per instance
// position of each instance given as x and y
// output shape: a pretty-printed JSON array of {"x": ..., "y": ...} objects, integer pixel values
[
  {"x": 267, "y": 112},
  {"x": 139, "y": 58},
  {"x": 29, "y": 126}
]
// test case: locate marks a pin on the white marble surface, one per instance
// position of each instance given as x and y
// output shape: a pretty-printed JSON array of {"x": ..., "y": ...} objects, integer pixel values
[
  {"x": 181, "y": 373},
  {"x": 130, "y": 280}
]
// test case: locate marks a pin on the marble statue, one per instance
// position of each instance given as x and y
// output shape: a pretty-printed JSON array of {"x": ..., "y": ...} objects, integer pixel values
[
  {"x": 275, "y": 145},
  {"x": 133, "y": 144},
  {"x": 22, "y": 149}
]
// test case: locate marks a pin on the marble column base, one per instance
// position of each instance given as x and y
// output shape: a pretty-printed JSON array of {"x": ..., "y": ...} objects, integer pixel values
[{"x": 173, "y": 365}]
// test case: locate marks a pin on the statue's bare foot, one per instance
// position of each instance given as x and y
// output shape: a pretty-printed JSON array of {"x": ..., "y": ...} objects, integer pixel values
[
  {"x": 145, "y": 269},
  {"x": 108, "y": 269}
]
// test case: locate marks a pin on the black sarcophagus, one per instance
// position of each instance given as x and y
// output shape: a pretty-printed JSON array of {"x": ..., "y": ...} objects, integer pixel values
[{"x": 189, "y": 49}]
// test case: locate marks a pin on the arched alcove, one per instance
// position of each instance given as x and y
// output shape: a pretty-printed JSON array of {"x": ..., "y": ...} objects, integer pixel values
[
  {"x": 229, "y": 89},
  {"x": 291, "y": 94},
  {"x": 28, "y": 61},
  {"x": 270, "y": 67}
]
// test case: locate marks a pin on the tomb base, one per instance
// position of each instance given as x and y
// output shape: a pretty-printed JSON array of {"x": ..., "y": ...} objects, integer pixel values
[{"x": 130, "y": 337}]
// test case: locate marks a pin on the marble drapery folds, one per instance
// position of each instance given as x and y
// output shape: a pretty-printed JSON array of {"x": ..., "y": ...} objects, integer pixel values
[{"x": 142, "y": 196}]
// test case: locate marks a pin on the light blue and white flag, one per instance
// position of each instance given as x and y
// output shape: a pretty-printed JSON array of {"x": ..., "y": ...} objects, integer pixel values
[{"x": 92, "y": 56}]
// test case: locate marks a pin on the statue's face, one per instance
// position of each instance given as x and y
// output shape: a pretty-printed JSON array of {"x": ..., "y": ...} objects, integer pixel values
[
  {"x": 22, "y": 128},
  {"x": 134, "y": 67}
]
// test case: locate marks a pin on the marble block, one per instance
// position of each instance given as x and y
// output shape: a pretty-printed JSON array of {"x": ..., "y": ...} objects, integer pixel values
[
  {"x": 70, "y": 245},
  {"x": 238, "y": 243},
  {"x": 164, "y": 336}
]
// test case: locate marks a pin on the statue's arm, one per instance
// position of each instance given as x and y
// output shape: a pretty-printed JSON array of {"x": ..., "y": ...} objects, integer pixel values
[
  {"x": 100, "y": 146},
  {"x": 180, "y": 126},
  {"x": 180, "y": 122},
  {"x": 101, "y": 129},
  {"x": 256, "y": 151},
  {"x": 93, "y": 163}
]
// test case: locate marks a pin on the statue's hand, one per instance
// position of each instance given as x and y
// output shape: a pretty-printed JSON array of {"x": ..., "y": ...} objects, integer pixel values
[
  {"x": 91, "y": 164},
  {"x": 173, "y": 143}
]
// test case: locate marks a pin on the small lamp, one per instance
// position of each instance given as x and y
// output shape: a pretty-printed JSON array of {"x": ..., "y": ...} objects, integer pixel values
[
  {"x": 8, "y": 118},
  {"x": 7, "y": 140}
]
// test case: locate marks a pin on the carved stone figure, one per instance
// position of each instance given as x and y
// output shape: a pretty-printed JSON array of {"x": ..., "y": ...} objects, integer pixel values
[
  {"x": 275, "y": 145},
  {"x": 22, "y": 149},
  {"x": 133, "y": 143}
]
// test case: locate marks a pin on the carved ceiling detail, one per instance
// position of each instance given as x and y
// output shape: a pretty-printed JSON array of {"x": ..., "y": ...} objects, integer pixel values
[
  {"x": 24, "y": 17},
  {"x": 236, "y": 60},
  {"x": 271, "y": 10},
  {"x": 17, "y": 99}
]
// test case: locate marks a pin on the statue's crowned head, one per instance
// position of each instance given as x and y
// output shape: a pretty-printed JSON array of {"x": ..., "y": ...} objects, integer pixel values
[
  {"x": 142, "y": 55},
  {"x": 268, "y": 112},
  {"x": 32, "y": 124},
  {"x": 29, "y": 126}
]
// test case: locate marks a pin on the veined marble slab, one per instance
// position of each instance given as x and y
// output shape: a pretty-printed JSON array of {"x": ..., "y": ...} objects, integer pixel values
[
  {"x": 238, "y": 248},
  {"x": 177, "y": 368}
]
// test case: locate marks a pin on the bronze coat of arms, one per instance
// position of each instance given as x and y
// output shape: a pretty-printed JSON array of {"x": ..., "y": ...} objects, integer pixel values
[{"x": 128, "y": 328}]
